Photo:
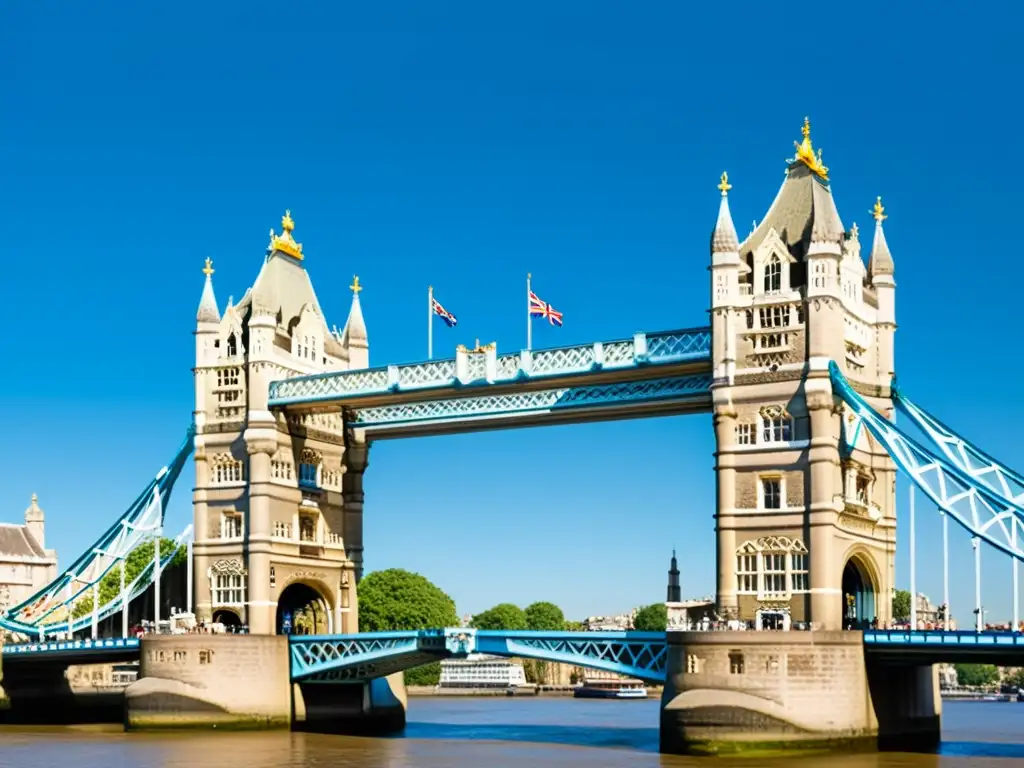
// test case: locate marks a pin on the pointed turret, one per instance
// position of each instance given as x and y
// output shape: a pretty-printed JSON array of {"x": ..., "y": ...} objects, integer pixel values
[
  {"x": 724, "y": 239},
  {"x": 208, "y": 312},
  {"x": 353, "y": 336},
  {"x": 35, "y": 522},
  {"x": 880, "y": 262}
]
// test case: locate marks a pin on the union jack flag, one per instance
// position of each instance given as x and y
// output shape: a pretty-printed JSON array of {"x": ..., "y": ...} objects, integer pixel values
[
  {"x": 444, "y": 314},
  {"x": 540, "y": 308}
]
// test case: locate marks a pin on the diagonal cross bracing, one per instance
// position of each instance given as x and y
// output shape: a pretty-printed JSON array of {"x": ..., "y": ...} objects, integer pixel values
[
  {"x": 143, "y": 519},
  {"x": 963, "y": 454},
  {"x": 971, "y": 503}
]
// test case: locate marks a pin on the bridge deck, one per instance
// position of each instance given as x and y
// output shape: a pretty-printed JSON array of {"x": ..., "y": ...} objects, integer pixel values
[{"x": 648, "y": 374}]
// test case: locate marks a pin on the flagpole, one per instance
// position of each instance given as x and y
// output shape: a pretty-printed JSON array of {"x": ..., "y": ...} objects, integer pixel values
[
  {"x": 430, "y": 322},
  {"x": 529, "y": 325}
]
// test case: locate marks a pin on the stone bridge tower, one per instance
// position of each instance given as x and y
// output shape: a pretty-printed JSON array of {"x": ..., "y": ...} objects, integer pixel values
[
  {"x": 806, "y": 525},
  {"x": 278, "y": 500}
]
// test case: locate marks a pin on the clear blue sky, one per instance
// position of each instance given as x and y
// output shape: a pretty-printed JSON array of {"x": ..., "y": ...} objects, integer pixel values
[{"x": 460, "y": 145}]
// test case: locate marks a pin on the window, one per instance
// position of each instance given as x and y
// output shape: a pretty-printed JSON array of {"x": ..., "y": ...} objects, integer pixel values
[
  {"x": 228, "y": 589},
  {"x": 776, "y": 428},
  {"x": 232, "y": 346},
  {"x": 745, "y": 434},
  {"x": 746, "y": 574},
  {"x": 273, "y": 577},
  {"x": 736, "y": 664},
  {"x": 307, "y": 475},
  {"x": 771, "y": 488},
  {"x": 773, "y": 568},
  {"x": 227, "y": 470},
  {"x": 307, "y": 528},
  {"x": 231, "y": 525},
  {"x": 774, "y": 574},
  {"x": 773, "y": 275},
  {"x": 798, "y": 572},
  {"x": 863, "y": 484},
  {"x": 774, "y": 317}
]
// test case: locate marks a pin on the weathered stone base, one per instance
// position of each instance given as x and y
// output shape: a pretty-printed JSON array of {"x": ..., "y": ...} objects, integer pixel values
[
  {"x": 374, "y": 708},
  {"x": 759, "y": 693},
  {"x": 233, "y": 682},
  {"x": 40, "y": 693}
]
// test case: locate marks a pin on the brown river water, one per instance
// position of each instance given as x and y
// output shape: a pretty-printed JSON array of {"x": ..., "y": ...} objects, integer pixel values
[{"x": 490, "y": 733}]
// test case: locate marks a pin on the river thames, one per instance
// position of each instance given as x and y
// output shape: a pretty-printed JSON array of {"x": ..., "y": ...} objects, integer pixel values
[{"x": 491, "y": 732}]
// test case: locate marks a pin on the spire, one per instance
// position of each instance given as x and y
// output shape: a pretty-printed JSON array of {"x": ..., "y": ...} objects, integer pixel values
[
  {"x": 208, "y": 303},
  {"x": 355, "y": 326},
  {"x": 805, "y": 153},
  {"x": 674, "y": 592},
  {"x": 34, "y": 513},
  {"x": 723, "y": 239},
  {"x": 284, "y": 242},
  {"x": 880, "y": 262}
]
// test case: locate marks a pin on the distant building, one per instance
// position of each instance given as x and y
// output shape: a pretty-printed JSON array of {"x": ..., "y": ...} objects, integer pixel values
[
  {"x": 674, "y": 592},
  {"x": 26, "y": 565},
  {"x": 609, "y": 623}
]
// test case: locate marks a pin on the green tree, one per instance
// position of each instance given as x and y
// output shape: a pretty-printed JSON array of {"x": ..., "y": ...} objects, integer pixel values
[
  {"x": 395, "y": 600},
  {"x": 502, "y": 616},
  {"x": 136, "y": 561},
  {"x": 1015, "y": 678},
  {"x": 574, "y": 626},
  {"x": 976, "y": 675},
  {"x": 544, "y": 617},
  {"x": 651, "y": 618},
  {"x": 900, "y": 605}
]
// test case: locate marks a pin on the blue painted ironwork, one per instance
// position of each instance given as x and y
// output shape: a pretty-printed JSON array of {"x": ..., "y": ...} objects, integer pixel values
[
  {"x": 664, "y": 348},
  {"x": 642, "y": 655},
  {"x": 963, "y": 454},
  {"x": 891, "y": 638},
  {"x": 142, "y": 520},
  {"x": 523, "y": 403},
  {"x": 361, "y": 657},
  {"x": 83, "y": 647},
  {"x": 970, "y": 503}
]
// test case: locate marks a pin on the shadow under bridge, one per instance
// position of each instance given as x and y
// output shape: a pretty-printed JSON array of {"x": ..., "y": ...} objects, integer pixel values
[{"x": 365, "y": 656}]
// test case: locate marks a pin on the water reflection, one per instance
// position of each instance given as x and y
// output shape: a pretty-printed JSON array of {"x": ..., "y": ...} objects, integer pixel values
[{"x": 492, "y": 733}]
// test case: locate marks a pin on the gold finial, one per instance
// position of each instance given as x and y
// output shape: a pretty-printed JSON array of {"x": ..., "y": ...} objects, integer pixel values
[
  {"x": 879, "y": 211},
  {"x": 355, "y": 287},
  {"x": 208, "y": 267},
  {"x": 285, "y": 242},
  {"x": 724, "y": 184},
  {"x": 805, "y": 153}
]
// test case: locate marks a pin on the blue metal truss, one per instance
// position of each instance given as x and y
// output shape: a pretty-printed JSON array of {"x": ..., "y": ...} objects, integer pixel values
[
  {"x": 641, "y": 655},
  {"x": 361, "y": 657},
  {"x": 73, "y": 647},
  {"x": 683, "y": 389},
  {"x": 963, "y": 454},
  {"x": 142, "y": 520},
  {"x": 972, "y": 504},
  {"x": 643, "y": 350}
]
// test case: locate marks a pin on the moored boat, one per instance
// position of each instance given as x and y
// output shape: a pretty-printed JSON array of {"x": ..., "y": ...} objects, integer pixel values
[{"x": 605, "y": 688}]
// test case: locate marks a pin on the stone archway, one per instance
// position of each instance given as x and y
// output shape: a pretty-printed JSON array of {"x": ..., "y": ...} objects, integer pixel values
[
  {"x": 230, "y": 619},
  {"x": 860, "y": 594},
  {"x": 302, "y": 609}
]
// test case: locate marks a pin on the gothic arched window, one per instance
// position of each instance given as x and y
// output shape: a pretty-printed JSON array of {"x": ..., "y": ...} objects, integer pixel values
[
  {"x": 773, "y": 274},
  {"x": 232, "y": 346}
]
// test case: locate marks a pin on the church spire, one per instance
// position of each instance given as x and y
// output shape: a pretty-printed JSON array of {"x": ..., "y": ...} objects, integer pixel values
[
  {"x": 208, "y": 312},
  {"x": 674, "y": 592},
  {"x": 881, "y": 262},
  {"x": 724, "y": 239},
  {"x": 354, "y": 336}
]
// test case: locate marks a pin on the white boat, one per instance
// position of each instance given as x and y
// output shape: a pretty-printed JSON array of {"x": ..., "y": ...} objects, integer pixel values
[{"x": 606, "y": 688}]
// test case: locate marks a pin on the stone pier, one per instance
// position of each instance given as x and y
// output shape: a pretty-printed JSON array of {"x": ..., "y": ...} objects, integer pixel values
[
  {"x": 243, "y": 682},
  {"x": 764, "y": 692}
]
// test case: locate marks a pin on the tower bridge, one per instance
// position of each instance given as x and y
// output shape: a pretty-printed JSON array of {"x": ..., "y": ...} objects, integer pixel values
[{"x": 797, "y": 370}]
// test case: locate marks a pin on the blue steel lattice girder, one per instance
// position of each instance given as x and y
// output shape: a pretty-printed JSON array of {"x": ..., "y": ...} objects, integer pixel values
[
  {"x": 971, "y": 504},
  {"x": 640, "y": 655},
  {"x": 976, "y": 463},
  {"x": 518, "y": 408},
  {"x": 347, "y": 658},
  {"x": 436, "y": 377}
]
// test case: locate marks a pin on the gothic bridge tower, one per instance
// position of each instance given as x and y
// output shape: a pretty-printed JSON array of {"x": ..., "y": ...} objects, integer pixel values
[
  {"x": 278, "y": 499},
  {"x": 806, "y": 525}
]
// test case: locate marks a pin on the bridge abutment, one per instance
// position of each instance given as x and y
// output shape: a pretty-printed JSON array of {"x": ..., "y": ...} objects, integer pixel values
[
  {"x": 764, "y": 692},
  {"x": 374, "y": 708},
  {"x": 44, "y": 693}
]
